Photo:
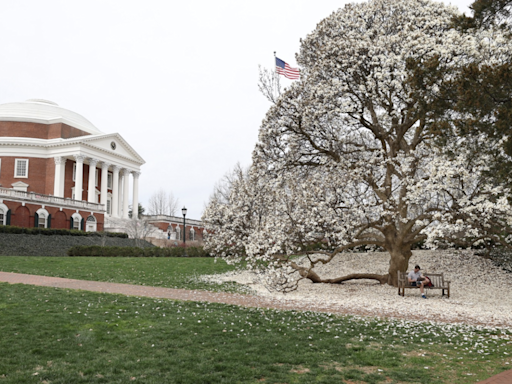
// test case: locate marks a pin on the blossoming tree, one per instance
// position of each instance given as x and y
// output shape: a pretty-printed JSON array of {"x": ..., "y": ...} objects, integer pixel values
[{"x": 347, "y": 157}]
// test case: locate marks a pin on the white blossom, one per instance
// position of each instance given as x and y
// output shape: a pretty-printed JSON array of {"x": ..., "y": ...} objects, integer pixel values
[{"x": 346, "y": 158}]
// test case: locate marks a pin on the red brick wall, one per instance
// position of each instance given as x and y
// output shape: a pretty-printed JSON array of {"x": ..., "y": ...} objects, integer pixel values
[
  {"x": 50, "y": 176},
  {"x": 23, "y": 129},
  {"x": 23, "y": 216},
  {"x": 68, "y": 178},
  {"x": 38, "y": 130},
  {"x": 60, "y": 220},
  {"x": 163, "y": 226},
  {"x": 40, "y": 174},
  {"x": 20, "y": 216},
  {"x": 65, "y": 131},
  {"x": 85, "y": 182}
]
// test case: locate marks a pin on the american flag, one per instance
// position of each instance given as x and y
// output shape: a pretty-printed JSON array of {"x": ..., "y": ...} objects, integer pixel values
[{"x": 284, "y": 69}]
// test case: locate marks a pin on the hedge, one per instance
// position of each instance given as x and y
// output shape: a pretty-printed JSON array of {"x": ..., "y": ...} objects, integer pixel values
[
  {"x": 41, "y": 245},
  {"x": 57, "y": 232},
  {"x": 95, "y": 250}
]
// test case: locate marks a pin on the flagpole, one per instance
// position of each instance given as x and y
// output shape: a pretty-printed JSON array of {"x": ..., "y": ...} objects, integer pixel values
[{"x": 277, "y": 83}]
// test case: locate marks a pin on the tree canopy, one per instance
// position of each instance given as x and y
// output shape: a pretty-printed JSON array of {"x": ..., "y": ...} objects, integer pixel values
[
  {"x": 348, "y": 156},
  {"x": 476, "y": 98}
]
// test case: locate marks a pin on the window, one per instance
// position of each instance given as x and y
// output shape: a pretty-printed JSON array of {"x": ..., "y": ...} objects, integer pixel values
[
  {"x": 109, "y": 180},
  {"x": 21, "y": 168},
  {"x": 97, "y": 174},
  {"x": 42, "y": 220},
  {"x": 192, "y": 234},
  {"x": 77, "y": 221},
  {"x": 4, "y": 214},
  {"x": 109, "y": 202},
  {"x": 74, "y": 172}
]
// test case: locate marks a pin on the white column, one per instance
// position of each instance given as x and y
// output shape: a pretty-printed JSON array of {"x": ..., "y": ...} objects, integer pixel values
[
  {"x": 79, "y": 174},
  {"x": 58, "y": 181},
  {"x": 91, "y": 195},
  {"x": 126, "y": 187},
  {"x": 135, "y": 205},
  {"x": 115, "y": 190},
  {"x": 104, "y": 185},
  {"x": 120, "y": 194},
  {"x": 62, "y": 177}
]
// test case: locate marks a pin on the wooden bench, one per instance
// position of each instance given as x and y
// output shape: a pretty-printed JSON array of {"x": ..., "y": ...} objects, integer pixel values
[{"x": 437, "y": 280}]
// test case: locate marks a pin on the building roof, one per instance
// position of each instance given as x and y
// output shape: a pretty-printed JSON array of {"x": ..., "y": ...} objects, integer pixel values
[{"x": 45, "y": 112}]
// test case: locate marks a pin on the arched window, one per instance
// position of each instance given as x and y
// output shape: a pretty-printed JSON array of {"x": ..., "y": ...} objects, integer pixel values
[
  {"x": 178, "y": 233},
  {"x": 192, "y": 234},
  {"x": 42, "y": 219},
  {"x": 76, "y": 221},
  {"x": 5, "y": 215}
]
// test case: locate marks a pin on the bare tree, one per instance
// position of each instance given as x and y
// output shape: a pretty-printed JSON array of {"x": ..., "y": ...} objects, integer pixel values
[
  {"x": 163, "y": 203},
  {"x": 140, "y": 230},
  {"x": 173, "y": 204},
  {"x": 269, "y": 84}
]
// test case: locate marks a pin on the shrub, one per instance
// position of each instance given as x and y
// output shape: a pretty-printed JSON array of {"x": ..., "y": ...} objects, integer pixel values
[
  {"x": 29, "y": 245},
  {"x": 57, "y": 232}
]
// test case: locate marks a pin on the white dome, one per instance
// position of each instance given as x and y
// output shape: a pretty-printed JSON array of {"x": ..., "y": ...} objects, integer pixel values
[{"x": 45, "y": 112}]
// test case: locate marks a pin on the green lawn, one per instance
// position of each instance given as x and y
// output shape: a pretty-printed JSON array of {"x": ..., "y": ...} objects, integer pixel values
[
  {"x": 151, "y": 271},
  {"x": 51, "y": 335}
]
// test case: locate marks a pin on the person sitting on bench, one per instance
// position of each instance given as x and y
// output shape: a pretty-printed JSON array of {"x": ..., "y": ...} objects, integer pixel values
[{"x": 417, "y": 280}]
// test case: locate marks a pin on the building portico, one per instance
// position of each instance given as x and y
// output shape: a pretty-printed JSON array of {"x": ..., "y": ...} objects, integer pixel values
[{"x": 113, "y": 192}]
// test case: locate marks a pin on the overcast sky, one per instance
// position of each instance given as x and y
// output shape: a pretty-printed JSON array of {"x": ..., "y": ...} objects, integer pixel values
[{"x": 176, "y": 79}]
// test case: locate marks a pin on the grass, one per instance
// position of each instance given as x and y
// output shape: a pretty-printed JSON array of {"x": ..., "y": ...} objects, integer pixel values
[
  {"x": 151, "y": 271},
  {"x": 51, "y": 335}
]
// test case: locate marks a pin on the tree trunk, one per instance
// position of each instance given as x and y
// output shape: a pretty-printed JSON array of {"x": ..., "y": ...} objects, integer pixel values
[
  {"x": 311, "y": 275},
  {"x": 399, "y": 261},
  {"x": 358, "y": 276}
]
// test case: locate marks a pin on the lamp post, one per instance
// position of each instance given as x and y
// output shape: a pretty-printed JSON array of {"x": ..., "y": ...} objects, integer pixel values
[{"x": 184, "y": 212}]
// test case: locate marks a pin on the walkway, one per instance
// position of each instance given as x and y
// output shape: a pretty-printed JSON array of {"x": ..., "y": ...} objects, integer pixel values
[
  {"x": 163, "y": 293},
  {"x": 187, "y": 295}
]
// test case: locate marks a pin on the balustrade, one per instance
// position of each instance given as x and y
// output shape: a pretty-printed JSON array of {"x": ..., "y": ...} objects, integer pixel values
[{"x": 49, "y": 199}]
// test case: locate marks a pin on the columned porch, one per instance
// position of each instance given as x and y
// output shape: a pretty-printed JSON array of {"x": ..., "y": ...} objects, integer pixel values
[{"x": 107, "y": 183}]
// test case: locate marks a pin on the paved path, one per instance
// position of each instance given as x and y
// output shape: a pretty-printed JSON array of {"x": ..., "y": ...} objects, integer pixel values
[
  {"x": 183, "y": 294},
  {"x": 502, "y": 378},
  {"x": 168, "y": 293}
]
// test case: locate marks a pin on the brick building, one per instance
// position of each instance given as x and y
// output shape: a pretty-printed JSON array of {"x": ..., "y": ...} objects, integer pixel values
[
  {"x": 58, "y": 170},
  {"x": 172, "y": 227}
]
